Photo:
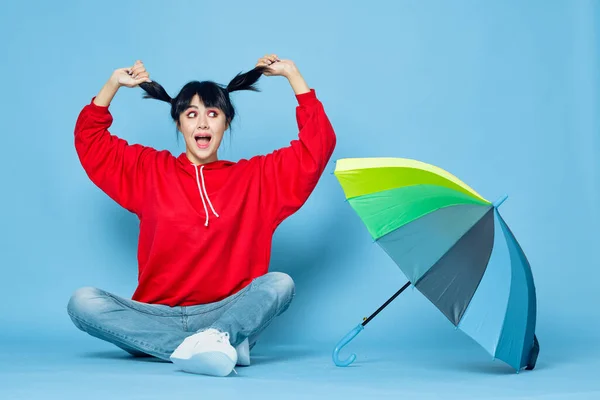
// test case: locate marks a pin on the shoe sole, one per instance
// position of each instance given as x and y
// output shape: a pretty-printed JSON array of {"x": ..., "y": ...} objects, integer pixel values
[{"x": 212, "y": 363}]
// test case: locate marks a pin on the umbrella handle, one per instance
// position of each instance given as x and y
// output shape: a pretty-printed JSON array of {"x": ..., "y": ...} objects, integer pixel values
[{"x": 344, "y": 341}]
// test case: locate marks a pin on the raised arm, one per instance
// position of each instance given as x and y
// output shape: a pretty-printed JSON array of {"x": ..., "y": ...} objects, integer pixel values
[
  {"x": 113, "y": 165},
  {"x": 290, "y": 174}
]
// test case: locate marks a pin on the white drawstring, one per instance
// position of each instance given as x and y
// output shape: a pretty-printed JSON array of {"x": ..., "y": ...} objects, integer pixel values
[{"x": 203, "y": 187}]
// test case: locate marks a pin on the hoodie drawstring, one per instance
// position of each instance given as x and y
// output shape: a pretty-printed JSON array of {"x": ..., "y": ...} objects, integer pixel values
[{"x": 203, "y": 188}]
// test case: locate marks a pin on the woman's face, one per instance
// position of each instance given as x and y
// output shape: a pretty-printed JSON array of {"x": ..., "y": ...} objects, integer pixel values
[{"x": 202, "y": 129}]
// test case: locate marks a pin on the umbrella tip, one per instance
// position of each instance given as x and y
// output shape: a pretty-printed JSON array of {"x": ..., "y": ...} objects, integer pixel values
[{"x": 500, "y": 200}]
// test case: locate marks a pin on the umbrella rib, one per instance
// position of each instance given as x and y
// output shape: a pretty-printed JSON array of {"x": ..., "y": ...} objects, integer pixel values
[{"x": 452, "y": 247}]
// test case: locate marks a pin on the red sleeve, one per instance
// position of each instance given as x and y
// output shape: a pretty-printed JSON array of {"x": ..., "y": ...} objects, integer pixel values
[
  {"x": 290, "y": 174},
  {"x": 113, "y": 165}
]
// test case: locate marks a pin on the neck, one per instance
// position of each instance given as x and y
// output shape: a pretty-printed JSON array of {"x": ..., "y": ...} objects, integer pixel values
[{"x": 199, "y": 161}]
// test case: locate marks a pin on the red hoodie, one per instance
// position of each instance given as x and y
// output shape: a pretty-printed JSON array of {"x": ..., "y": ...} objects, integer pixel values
[{"x": 206, "y": 230}]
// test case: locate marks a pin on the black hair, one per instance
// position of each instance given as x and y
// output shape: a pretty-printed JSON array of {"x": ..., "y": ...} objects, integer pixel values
[{"x": 211, "y": 94}]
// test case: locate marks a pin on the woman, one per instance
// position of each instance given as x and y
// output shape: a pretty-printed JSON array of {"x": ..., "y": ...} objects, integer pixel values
[{"x": 204, "y": 292}]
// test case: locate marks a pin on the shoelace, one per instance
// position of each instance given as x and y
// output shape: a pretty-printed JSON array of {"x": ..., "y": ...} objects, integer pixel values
[
  {"x": 223, "y": 335},
  {"x": 220, "y": 337}
]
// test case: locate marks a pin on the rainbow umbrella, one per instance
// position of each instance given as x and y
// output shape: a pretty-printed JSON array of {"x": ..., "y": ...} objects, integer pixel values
[{"x": 453, "y": 246}]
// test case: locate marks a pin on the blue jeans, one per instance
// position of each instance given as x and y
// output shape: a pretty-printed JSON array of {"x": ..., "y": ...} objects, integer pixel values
[{"x": 156, "y": 329}]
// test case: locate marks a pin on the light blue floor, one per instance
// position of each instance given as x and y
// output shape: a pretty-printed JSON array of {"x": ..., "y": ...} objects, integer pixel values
[{"x": 83, "y": 367}]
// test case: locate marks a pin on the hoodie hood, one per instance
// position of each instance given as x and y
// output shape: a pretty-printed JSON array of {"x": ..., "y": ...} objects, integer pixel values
[{"x": 188, "y": 166}]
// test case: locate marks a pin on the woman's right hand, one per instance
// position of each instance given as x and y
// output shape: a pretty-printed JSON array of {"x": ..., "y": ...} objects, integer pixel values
[{"x": 131, "y": 76}]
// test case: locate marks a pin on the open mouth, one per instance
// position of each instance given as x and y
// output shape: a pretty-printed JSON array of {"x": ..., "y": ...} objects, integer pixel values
[{"x": 203, "y": 140}]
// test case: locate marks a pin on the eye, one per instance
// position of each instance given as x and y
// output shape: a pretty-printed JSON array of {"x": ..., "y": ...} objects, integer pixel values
[
  {"x": 192, "y": 114},
  {"x": 212, "y": 113}
]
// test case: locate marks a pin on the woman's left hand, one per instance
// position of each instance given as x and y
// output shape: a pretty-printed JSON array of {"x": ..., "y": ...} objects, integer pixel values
[{"x": 276, "y": 66}]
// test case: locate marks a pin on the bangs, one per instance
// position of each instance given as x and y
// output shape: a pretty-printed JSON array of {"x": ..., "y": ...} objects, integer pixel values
[{"x": 210, "y": 94}]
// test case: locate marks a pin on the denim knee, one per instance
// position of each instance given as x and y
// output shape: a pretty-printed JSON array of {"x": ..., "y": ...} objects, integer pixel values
[
  {"x": 283, "y": 285},
  {"x": 283, "y": 282},
  {"x": 85, "y": 304}
]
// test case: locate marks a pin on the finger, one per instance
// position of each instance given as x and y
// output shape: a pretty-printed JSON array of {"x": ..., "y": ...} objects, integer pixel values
[
  {"x": 136, "y": 64},
  {"x": 138, "y": 69},
  {"x": 263, "y": 64},
  {"x": 142, "y": 77},
  {"x": 141, "y": 80},
  {"x": 137, "y": 73}
]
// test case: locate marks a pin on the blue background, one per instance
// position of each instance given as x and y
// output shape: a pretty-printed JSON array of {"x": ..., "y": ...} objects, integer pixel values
[{"x": 503, "y": 94}]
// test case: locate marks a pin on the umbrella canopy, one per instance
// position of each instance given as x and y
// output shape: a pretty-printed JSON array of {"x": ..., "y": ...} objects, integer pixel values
[{"x": 452, "y": 245}]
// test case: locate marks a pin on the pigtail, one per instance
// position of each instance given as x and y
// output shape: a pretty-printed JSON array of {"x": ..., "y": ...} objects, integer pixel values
[
  {"x": 246, "y": 81},
  {"x": 155, "y": 91}
]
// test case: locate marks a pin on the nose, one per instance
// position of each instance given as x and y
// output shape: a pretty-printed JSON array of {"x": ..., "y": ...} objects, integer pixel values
[{"x": 203, "y": 122}]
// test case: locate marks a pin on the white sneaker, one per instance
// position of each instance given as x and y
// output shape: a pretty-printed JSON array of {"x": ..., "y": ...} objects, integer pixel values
[
  {"x": 243, "y": 353},
  {"x": 208, "y": 352}
]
